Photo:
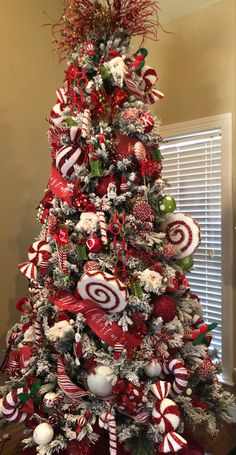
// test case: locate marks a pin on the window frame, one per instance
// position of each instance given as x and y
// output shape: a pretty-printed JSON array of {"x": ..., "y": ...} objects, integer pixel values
[{"x": 224, "y": 122}]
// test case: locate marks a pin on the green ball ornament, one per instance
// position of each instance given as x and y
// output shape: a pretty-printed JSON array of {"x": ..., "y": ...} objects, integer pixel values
[
  {"x": 185, "y": 263},
  {"x": 167, "y": 205}
]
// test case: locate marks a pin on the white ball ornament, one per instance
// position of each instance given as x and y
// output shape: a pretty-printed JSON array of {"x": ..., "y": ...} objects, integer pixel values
[
  {"x": 99, "y": 382},
  {"x": 43, "y": 434},
  {"x": 153, "y": 369}
]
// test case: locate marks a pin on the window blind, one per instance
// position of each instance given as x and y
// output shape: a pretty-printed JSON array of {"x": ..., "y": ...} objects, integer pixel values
[{"x": 192, "y": 168}]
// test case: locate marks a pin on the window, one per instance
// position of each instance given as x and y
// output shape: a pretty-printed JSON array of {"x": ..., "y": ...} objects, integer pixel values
[{"x": 197, "y": 165}]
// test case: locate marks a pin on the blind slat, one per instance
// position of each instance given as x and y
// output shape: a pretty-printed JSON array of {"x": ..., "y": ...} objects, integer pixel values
[{"x": 192, "y": 168}]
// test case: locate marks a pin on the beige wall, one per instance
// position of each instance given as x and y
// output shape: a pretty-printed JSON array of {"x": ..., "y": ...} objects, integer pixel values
[{"x": 29, "y": 76}]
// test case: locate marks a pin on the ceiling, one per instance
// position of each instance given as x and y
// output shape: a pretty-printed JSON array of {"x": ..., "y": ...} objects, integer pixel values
[{"x": 173, "y": 9}]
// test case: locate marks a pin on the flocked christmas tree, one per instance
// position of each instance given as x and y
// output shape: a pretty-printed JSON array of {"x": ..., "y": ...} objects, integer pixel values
[{"x": 111, "y": 340}]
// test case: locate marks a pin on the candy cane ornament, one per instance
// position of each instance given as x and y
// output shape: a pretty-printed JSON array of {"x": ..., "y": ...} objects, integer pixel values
[
  {"x": 103, "y": 227},
  {"x": 177, "y": 368},
  {"x": 86, "y": 122},
  {"x": 108, "y": 419},
  {"x": 10, "y": 409}
]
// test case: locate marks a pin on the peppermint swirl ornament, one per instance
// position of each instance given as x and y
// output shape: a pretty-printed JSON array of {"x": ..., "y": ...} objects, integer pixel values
[
  {"x": 183, "y": 232},
  {"x": 166, "y": 415},
  {"x": 39, "y": 251},
  {"x": 104, "y": 290}
]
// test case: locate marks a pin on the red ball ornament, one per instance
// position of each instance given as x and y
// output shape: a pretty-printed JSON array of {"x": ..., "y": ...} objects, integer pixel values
[
  {"x": 103, "y": 183},
  {"x": 164, "y": 307},
  {"x": 94, "y": 244},
  {"x": 147, "y": 122}
]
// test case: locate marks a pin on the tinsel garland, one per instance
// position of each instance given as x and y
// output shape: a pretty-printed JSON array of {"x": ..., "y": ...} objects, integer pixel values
[{"x": 91, "y": 18}]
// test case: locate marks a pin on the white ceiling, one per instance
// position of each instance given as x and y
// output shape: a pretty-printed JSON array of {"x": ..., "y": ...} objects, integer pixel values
[{"x": 172, "y": 9}]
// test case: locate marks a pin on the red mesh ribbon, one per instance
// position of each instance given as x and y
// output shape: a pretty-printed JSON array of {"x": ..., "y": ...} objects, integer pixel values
[{"x": 94, "y": 17}]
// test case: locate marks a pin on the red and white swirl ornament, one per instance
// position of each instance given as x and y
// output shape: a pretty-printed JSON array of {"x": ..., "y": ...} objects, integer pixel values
[
  {"x": 39, "y": 251},
  {"x": 70, "y": 155},
  {"x": 183, "y": 232},
  {"x": 58, "y": 109},
  {"x": 66, "y": 385},
  {"x": 104, "y": 290},
  {"x": 160, "y": 389},
  {"x": 172, "y": 442},
  {"x": 107, "y": 420},
  {"x": 166, "y": 415},
  {"x": 10, "y": 409},
  {"x": 28, "y": 269},
  {"x": 180, "y": 373}
]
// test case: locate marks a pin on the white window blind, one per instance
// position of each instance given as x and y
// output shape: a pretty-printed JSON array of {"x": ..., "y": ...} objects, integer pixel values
[{"x": 193, "y": 168}]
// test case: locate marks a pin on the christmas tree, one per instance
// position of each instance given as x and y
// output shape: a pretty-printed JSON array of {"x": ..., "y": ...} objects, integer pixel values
[{"x": 111, "y": 353}]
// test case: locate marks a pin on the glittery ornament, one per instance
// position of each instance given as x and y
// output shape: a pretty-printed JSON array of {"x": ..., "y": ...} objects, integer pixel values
[
  {"x": 94, "y": 244},
  {"x": 207, "y": 368},
  {"x": 143, "y": 211},
  {"x": 167, "y": 204},
  {"x": 123, "y": 186},
  {"x": 168, "y": 251},
  {"x": 164, "y": 307},
  {"x": 147, "y": 122},
  {"x": 91, "y": 265},
  {"x": 139, "y": 151}
]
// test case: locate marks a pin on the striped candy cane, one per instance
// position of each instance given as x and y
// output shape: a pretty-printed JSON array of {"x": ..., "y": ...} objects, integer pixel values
[
  {"x": 177, "y": 368},
  {"x": 62, "y": 257},
  {"x": 107, "y": 419},
  {"x": 85, "y": 123},
  {"x": 38, "y": 330},
  {"x": 103, "y": 227}
]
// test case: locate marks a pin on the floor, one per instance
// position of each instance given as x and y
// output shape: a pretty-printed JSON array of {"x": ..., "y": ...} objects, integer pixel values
[{"x": 222, "y": 445}]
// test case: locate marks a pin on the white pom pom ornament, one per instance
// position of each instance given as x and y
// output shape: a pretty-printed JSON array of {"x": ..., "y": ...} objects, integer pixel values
[
  {"x": 99, "y": 382},
  {"x": 153, "y": 369},
  {"x": 43, "y": 434}
]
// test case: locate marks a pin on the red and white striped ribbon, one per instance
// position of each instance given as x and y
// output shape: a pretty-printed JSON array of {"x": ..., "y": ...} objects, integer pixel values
[{"x": 107, "y": 419}]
